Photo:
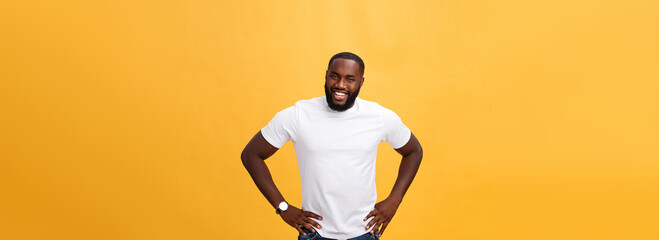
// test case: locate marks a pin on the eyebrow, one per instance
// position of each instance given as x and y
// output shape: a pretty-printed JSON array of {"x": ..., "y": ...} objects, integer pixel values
[{"x": 333, "y": 72}]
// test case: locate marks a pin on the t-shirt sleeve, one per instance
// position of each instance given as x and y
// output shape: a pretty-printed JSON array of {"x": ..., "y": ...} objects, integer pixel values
[
  {"x": 396, "y": 133},
  {"x": 281, "y": 128}
]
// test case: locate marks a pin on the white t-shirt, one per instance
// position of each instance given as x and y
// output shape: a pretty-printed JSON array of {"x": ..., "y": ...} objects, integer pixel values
[{"x": 336, "y": 154}]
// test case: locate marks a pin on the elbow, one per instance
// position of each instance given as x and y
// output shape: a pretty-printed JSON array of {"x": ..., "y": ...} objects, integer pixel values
[
  {"x": 419, "y": 151},
  {"x": 248, "y": 158},
  {"x": 244, "y": 157}
]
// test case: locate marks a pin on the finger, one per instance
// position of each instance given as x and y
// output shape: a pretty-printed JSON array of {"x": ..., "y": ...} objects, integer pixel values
[
  {"x": 307, "y": 226},
  {"x": 376, "y": 227},
  {"x": 313, "y": 215},
  {"x": 313, "y": 223},
  {"x": 372, "y": 222},
  {"x": 382, "y": 229},
  {"x": 299, "y": 229},
  {"x": 371, "y": 214}
]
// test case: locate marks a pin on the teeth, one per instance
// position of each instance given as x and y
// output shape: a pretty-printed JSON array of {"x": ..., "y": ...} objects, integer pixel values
[{"x": 339, "y": 94}]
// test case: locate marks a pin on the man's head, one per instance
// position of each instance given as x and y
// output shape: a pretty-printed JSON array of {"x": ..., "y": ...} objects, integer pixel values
[{"x": 343, "y": 80}]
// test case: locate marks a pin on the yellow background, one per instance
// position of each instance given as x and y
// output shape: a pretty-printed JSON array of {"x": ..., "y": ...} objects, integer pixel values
[{"x": 125, "y": 120}]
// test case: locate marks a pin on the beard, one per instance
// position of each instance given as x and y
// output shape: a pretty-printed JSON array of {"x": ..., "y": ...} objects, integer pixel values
[{"x": 341, "y": 107}]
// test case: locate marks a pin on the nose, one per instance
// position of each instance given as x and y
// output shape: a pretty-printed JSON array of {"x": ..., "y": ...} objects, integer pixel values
[{"x": 341, "y": 84}]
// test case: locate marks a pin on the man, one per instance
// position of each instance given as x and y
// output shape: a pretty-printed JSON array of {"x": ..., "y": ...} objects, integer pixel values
[{"x": 336, "y": 140}]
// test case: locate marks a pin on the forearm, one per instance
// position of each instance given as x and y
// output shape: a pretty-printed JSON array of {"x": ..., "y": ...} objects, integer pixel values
[
  {"x": 409, "y": 166},
  {"x": 260, "y": 173}
]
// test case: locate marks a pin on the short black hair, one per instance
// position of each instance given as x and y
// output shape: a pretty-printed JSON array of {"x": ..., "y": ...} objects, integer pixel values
[{"x": 348, "y": 55}]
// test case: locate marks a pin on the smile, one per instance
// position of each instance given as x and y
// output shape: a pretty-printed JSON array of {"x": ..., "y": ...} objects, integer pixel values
[{"x": 339, "y": 95}]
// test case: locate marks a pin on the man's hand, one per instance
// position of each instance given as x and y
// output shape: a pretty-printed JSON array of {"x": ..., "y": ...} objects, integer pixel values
[
  {"x": 384, "y": 211},
  {"x": 382, "y": 214},
  {"x": 298, "y": 218}
]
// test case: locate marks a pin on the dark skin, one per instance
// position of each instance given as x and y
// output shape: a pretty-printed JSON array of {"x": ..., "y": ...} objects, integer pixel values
[
  {"x": 343, "y": 76},
  {"x": 257, "y": 150}
]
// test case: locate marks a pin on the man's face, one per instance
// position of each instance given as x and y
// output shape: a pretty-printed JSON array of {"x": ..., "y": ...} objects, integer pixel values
[{"x": 343, "y": 80}]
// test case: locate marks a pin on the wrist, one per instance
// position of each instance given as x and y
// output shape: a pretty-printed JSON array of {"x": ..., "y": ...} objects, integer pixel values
[
  {"x": 395, "y": 199},
  {"x": 282, "y": 207}
]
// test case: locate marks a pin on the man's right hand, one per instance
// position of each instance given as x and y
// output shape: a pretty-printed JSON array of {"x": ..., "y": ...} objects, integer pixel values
[
  {"x": 257, "y": 150},
  {"x": 299, "y": 218}
]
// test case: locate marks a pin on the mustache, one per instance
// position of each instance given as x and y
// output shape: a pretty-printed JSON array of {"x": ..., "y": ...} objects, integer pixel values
[{"x": 341, "y": 90}]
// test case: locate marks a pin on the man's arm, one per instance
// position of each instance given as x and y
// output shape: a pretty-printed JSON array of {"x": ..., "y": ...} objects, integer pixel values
[
  {"x": 384, "y": 211},
  {"x": 253, "y": 157}
]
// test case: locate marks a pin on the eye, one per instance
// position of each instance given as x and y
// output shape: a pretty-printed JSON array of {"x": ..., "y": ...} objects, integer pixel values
[
  {"x": 351, "y": 79},
  {"x": 334, "y": 76}
]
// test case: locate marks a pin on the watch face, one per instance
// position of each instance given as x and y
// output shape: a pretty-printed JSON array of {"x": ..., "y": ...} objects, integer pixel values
[{"x": 283, "y": 206}]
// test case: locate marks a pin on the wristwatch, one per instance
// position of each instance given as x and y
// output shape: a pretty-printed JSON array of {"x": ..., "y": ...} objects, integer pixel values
[{"x": 283, "y": 206}]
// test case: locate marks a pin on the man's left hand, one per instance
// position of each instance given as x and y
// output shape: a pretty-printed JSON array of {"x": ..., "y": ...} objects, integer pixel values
[{"x": 382, "y": 214}]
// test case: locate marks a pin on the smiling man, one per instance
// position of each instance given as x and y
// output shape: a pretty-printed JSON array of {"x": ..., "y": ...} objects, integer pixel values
[{"x": 336, "y": 140}]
